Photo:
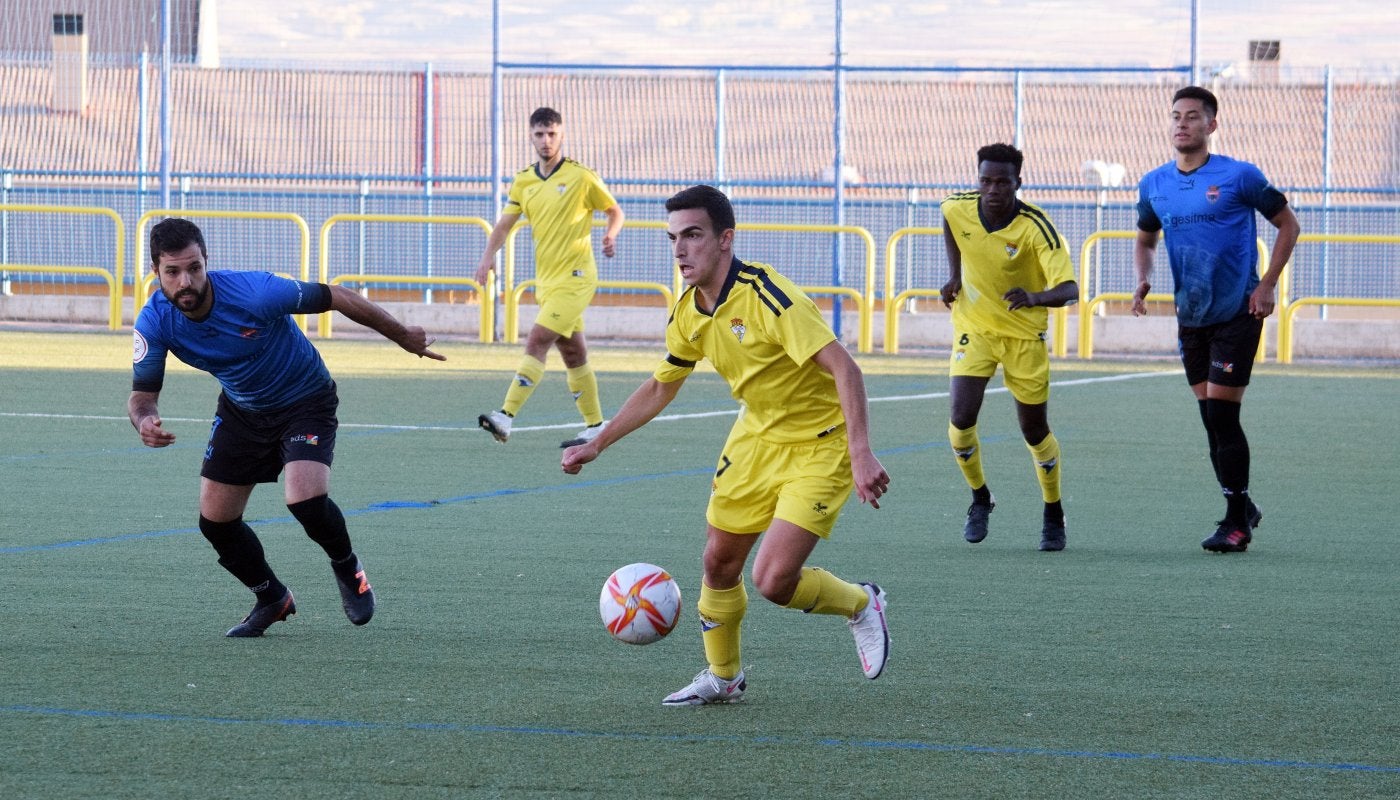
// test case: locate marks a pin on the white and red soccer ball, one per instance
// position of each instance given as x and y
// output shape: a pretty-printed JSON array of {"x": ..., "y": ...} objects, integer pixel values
[{"x": 640, "y": 603}]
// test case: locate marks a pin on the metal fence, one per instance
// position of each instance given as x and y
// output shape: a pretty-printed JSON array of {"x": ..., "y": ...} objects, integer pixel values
[{"x": 862, "y": 146}]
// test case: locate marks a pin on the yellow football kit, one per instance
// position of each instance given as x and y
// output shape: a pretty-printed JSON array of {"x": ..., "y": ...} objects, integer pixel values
[
  {"x": 786, "y": 455},
  {"x": 560, "y": 210},
  {"x": 1027, "y": 253}
]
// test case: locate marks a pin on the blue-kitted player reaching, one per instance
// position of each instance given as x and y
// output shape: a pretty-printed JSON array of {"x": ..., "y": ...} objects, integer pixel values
[{"x": 277, "y": 410}]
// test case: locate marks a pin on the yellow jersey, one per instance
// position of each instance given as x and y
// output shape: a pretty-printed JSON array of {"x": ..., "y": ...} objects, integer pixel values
[
  {"x": 560, "y": 210},
  {"x": 760, "y": 337},
  {"x": 1027, "y": 252}
]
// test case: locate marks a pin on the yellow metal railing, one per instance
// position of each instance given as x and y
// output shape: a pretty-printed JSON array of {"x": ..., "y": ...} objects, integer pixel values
[
  {"x": 148, "y": 276},
  {"x": 864, "y": 301},
  {"x": 488, "y": 308},
  {"x": 892, "y": 300},
  {"x": 113, "y": 277},
  {"x": 511, "y": 334},
  {"x": 1288, "y": 311},
  {"x": 1089, "y": 305},
  {"x": 513, "y": 292}
]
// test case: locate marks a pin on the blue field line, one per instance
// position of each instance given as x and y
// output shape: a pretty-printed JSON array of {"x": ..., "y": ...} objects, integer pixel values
[
  {"x": 397, "y": 505},
  {"x": 690, "y": 738},
  {"x": 374, "y": 508}
]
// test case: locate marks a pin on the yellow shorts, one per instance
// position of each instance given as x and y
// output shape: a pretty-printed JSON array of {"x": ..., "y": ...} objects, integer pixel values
[
  {"x": 757, "y": 481},
  {"x": 1025, "y": 363},
  {"x": 562, "y": 304}
]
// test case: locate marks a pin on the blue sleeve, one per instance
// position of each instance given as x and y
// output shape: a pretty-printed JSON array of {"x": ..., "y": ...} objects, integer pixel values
[
  {"x": 281, "y": 296},
  {"x": 148, "y": 354},
  {"x": 1147, "y": 217},
  {"x": 1259, "y": 194}
]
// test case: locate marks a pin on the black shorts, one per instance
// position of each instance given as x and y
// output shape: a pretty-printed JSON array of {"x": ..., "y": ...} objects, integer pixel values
[
  {"x": 1222, "y": 353},
  {"x": 247, "y": 447}
]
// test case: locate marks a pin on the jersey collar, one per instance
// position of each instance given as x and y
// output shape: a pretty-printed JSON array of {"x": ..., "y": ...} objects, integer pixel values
[
  {"x": 1181, "y": 171},
  {"x": 1010, "y": 219},
  {"x": 734, "y": 266},
  {"x": 552, "y": 173}
]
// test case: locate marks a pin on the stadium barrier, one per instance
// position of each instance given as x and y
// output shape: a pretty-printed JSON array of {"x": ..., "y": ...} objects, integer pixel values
[
  {"x": 513, "y": 292},
  {"x": 1059, "y": 317},
  {"x": 1089, "y": 305},
  {"x": 112, "y": 277},
  {"x": 1289, "y": 310},
  {"x": 143, "y": 285},
  {"x": 487, "y": 328}
]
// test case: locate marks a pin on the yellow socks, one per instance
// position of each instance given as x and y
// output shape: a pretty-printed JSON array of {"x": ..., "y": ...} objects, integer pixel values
[
  {"x": 1047, "y": 467},
  {"x": 820, "y": 592},
  {"x": 721, "y": 612},
  {"x": 969, "y": 454},
  {"x": 584, "y": 385},
  {"x": 527, "y": 377}
]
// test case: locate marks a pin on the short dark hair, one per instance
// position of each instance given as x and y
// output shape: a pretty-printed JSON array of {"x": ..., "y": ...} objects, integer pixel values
[
  {"x": 173, "y": 235},
  {"x": 1000, "y": 153},
  {"x": 1206, "y": 97},
  {"x": 716, "y": 205},
  {"x": 546, "y": 116}
]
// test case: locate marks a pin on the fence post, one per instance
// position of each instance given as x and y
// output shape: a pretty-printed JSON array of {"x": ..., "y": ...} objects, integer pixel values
[
  {"x": 428, "y": 112},
  {"x": 1327, "y": 116},
  {"x": 839, "y": 140},
  {"x": 7, "y": 182},
  {"x": 165, "y": 111}
]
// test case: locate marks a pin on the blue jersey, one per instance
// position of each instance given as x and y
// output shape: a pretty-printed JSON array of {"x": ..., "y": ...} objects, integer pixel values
[
  {"x": 1207, "y": 215},
  {"x": 249, "y": 340}
]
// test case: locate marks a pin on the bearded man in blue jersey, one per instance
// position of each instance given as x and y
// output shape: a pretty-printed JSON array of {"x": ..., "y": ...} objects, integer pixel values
[
  {"x": 276, "y": 413},
  {"x": 1205, "y": 203}
]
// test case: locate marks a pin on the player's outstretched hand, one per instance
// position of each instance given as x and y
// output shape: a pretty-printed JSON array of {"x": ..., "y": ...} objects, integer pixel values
[
  {"x": 871, "y": 480},
  {"x": 416, "y": 341},
  {"x": 575, "y": 457},
  {"x": 153, "y": 435}
]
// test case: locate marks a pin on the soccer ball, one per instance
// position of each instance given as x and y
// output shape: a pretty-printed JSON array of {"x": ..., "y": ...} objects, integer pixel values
[{"x": 640, "y": 603}]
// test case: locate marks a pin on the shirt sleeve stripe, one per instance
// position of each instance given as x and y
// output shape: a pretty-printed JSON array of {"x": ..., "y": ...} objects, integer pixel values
[
  {"x": 1047, "y": 229},
  {"x": 765, "y": 288}
]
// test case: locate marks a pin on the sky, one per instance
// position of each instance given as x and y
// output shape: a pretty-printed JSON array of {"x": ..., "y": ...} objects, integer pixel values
[{"x": 1345, "y": 34}]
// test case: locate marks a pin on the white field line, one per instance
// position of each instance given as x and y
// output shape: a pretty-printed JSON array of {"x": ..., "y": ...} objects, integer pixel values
[{"x": 567, "y": 425}]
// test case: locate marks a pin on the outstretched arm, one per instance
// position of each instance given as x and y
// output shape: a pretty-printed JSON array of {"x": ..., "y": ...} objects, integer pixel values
[
  {"x": 644, "y": 404},
  {"x": 411, "y": 337},
  {"x": 145, "y": 418},
  {"x": 870, "y": 477}
]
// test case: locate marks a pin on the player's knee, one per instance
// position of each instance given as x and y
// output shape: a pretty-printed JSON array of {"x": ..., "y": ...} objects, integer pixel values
[
  {"x": 219, "y": 533},
  {"x": 776, "y": 586},
  {"x": 316, "y": 513}
]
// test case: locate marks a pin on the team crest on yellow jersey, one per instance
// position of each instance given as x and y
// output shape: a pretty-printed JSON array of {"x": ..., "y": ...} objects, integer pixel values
[
  {"x": 561, "y": 188},
  {"x": 1011, "y": 250},
  {"x": 737, "y": 326}
]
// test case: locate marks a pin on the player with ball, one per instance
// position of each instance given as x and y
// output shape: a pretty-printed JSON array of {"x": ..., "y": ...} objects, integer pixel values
[{"x": 792, "y": 458}]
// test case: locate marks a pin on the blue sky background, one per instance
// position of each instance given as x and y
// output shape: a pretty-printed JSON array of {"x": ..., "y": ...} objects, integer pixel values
[{"x": 1346, "y": 34}]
